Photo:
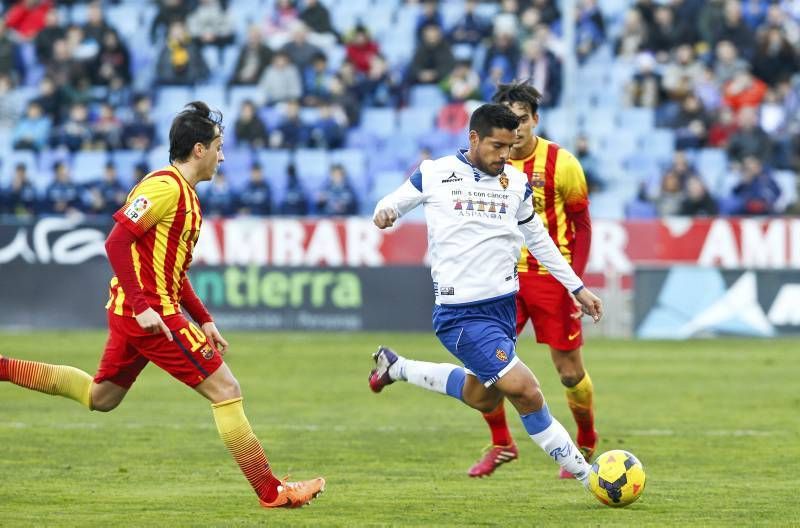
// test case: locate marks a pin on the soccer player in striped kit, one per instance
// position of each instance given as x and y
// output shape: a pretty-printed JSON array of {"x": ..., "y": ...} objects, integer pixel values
[
  {"x": 560, "y": 198},
  {"x": 150, "y": 249}
]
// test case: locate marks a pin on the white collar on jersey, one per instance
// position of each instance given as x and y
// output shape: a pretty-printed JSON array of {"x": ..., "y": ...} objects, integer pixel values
[{"x": 476, "y": 172}]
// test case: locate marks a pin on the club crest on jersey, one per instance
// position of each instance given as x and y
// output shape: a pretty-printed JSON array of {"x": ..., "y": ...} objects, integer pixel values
[
  {"x": 137, "y": 208},
  {"x": 501, "y": 355},
  {"x": 504, "y": 181},
  {"x": 537, "y": 179}
]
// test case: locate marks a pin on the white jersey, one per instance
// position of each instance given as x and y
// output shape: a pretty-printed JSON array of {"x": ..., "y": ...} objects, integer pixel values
[{"x": 476, "y": 226}]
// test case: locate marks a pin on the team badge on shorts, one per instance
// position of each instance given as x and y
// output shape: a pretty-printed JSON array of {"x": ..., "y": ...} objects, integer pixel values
[
  {"x": 207, "y": 352},
  {"x": 501, "y": 355},
  {"x": 504, "y": 181}
]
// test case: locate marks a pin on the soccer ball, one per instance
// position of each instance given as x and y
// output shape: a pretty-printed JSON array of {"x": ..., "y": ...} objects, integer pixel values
[{"x": 617, "y": 478}]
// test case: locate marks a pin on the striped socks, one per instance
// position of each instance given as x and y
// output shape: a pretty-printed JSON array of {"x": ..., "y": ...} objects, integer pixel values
[
  {"x": 238, "y": 437},
  {"x": 58, "y": 380}
]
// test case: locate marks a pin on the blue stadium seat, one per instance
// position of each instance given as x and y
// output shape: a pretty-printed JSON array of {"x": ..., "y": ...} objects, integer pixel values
[
  {"x": 158, "y": 157},
  {"x": 215, "y": 96},
  {"x": 787, "y": 181},
  {"x": 125, "y": 161},
  {"x": 712, "y": 165},
  {"x": 428, "y": 96},
  {"x": 416, "y": 122},
  {"x": 171, "y": 99},
  {"x": 659, "y": 143},
  {"x": 637, "y": 119},
  {"x": 238, "y": 94},
  {"x": 313, "y": 167},
  {"x": 379, "y": 121},
  {"x": 237, "y": 166},
  {"x": 88, "y": 165},
  {"x": 273, "y": 164}
]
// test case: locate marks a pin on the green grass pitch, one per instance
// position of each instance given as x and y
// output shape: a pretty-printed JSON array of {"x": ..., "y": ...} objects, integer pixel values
[{"x": 715, "y": 424}]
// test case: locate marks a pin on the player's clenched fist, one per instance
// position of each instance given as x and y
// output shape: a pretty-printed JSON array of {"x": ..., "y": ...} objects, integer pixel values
[{"x": 385, "y": 218}]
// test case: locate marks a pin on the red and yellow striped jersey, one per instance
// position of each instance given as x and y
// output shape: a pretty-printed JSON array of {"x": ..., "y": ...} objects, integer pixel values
[
  {"x": 164, "y": 213},
  {"x": 559, "y": 187}
]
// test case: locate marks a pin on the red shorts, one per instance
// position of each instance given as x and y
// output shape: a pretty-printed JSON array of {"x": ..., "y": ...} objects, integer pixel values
[
  {"x": 189, "y": 357},
  {"x": 546, "y": 302}
]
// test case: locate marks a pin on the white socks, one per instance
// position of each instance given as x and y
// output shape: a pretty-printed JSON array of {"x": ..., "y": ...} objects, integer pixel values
[
  {"x": 556, "y": 442},
  {"x": 444, "y": 378}
]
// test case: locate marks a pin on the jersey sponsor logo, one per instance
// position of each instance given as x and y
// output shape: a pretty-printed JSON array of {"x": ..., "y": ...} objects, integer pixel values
[
  {"x": 501, "y": 355},
  {"x": 452, "y": 178},
  {"x": 572, "y": 337},
  {"x": 138, "y": 207},
  {"x": 503, "y": 181}
]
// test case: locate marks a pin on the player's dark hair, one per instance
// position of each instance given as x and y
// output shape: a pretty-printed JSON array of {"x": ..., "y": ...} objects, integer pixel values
[
  {"x": 492, "y": 115},
  {"x": 518, "y": 92},
  {"x": 196, "y": 123}
]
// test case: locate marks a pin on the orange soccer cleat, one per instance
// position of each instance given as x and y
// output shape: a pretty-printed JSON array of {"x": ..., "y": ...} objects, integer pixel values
[{"x": 296, "y": 494}]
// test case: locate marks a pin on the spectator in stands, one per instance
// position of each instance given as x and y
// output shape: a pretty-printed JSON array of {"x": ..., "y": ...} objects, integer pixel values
[
  {"x": 463, "y": 82},
  {"x": 634, "y": 36},
  {"x": 279, "y": 20},
  {"x": 63, "y": 68},
  {"x": 433, "y": 60},
  {"x": 106, "y": 195},
  {"x": 107, "y": 129},
  {"x": 82, "y": 49},
  {"x": 32, "y": 131},
  {"x": 590, "y": 31},
  {"x": 429, "y": 15},
  {"x": 140, "y": 170},
  {"x": 750, "y": 139},
  {"x": 76, "y": 132},
  {"x": 316, "y": 81},
  {"x": 281, "y": 80},
  {"x": 644, "y": 89},
  {"x": 698, "y": 202},
  {"x": 326, "y": 131},
  {"x": 507, "y": 20},
  {"x": 743, "y": 90},
  {"x": 590, "y": 164},
  {"x": 671, "y": 196},
  {"x": 317, "y": 18},
  {"x": 722, "y": 129},
  {"x": 345, "y": 99},
  {"x": 691, "y": 124},
  {"x": 256, "y": 197},
  {"x": 683, "y": 73},
  {"x": 360, "y": 49},
  {"x": 779, "y": 17},
  {"x": 50, "y": 99},
  {"x": 471, "y": 28},
  {"x": 10, "y": 56},
  {"x": 119, "y": 94},
  {"x": 295, "y": 200},
  {"x": 51, "y": 32},
  {"x": 291, "y": 133},
  {"x": 210, "y": 25},
  {"x": 665, "y": 34},
  {"x": 169, "y": 12},
  {"x": 734, "y": 29},
  {"x": 249, "y": 129},
  {"x": 707, "y": 89},
  {"x": 337, "y": 198},
  {"x": 254, "y": 58},
  {"x": 10, "y": 103},
  {"x": 26, "y": 17},
  {"x": 727, "y": 62},
  {"x": 20, "y": 197},
  {"x": 62, "y": 195},
  {"x": 180, "y": 61},
  {"x": 114, "y": 60},
  {"x": 682, "y": 168},
  {"x": 96, "y": 26},
  {"x": 548, "y": 11},
  {"x": 775, "y": 59},
  {"x": 379, "y": 86},
  {"x": 299, "y": 50},
  {"x": 756, "y": 193},
  {"x": 504, "y": 50},
  {"x": 709, "y": 19},
  {"x": 219, "y": 199},
  {"x": 754, "y": 12},
  {"x": 139, "y": 132},
  {"x": 543, "y": 71}
]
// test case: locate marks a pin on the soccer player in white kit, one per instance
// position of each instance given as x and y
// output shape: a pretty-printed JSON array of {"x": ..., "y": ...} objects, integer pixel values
[{"x": 478, "y": 212}]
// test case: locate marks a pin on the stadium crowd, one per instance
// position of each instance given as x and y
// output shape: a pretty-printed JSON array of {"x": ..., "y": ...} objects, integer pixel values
[{"x": 311, "y": 76}]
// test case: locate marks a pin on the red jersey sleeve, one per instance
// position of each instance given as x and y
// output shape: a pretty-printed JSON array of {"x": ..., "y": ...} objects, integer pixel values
[{"x": 150, "y": 201}]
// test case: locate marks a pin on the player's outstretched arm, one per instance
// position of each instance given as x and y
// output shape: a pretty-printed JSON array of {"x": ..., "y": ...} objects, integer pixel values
[{"x": 399, "y": 202}]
